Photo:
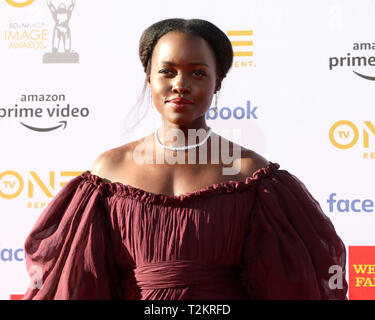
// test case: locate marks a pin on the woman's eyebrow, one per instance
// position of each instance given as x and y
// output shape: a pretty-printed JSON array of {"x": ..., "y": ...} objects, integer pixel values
[{"x": 190, "y": 64}]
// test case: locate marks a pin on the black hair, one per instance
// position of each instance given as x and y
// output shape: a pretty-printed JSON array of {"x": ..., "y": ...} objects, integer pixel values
[{"x": 216, "y": 38}]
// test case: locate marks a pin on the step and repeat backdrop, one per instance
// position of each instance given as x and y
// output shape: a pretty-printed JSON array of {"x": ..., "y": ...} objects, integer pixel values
[{"x": 300, "y": 92}]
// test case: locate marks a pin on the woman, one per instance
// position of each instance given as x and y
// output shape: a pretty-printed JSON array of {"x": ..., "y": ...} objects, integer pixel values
[{"x": 133, "y": 229}]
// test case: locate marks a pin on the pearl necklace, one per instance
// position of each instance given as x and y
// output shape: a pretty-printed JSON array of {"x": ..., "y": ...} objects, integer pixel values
[{"x": 188, "y": 147}]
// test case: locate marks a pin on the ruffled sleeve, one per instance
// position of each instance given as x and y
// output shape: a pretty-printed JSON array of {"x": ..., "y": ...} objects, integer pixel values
[
  {"x": 68, "y": 252},
  {"x": 291, "y": 249}
]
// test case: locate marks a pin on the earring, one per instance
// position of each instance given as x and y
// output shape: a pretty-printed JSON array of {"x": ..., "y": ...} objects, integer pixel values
[
  {"x": 215, "y": 108},
  {"x": 151, "y": 102}
]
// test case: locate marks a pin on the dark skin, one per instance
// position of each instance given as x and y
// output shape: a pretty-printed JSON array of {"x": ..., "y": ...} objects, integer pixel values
[{"x": 182, "y": 65}]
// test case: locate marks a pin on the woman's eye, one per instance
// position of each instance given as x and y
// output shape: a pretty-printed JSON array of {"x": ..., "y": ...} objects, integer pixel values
[
  {"x": 199, "y": 73},
  {"x": 169, "y": 72},
  {"x": 166, "y": 71}
]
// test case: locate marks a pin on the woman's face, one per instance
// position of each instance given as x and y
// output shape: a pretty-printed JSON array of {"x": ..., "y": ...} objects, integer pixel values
[{"x": 182, "y": 66}]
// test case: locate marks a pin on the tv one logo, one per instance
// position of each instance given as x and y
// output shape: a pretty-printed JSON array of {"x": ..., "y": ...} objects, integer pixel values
[
  {"x": 12, "y": 183},
  {"x": 19, "y": 4},
  {"x": 345, "y": 134}
]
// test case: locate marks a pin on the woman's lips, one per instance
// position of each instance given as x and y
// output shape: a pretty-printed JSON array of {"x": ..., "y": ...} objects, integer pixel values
[{"x": 179, "y": 103}]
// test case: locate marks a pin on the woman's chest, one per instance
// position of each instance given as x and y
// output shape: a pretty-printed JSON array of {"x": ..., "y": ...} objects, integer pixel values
[{"x": 174, "y": 180}]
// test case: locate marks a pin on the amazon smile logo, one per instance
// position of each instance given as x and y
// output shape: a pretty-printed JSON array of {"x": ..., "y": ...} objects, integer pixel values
[
  {"x": 361, "y": 61},
  {"x": 43, "y": 112},
  {"x": 63, "y": 123}
]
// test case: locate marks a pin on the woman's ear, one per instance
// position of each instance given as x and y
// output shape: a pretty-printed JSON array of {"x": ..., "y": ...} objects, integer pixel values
[
  {"x": 149, "y": 80},
  {"x": 218, "y": 84}
]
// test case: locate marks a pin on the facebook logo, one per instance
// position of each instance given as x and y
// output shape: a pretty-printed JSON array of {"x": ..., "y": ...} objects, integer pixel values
[
  {"x": 238, "y": 113},
  {"x": 9, "y": 254},
  {"x": 347, "y": 205}
]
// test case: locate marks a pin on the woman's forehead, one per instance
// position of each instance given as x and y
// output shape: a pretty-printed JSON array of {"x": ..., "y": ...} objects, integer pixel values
[{"x": 175, "y": 47}]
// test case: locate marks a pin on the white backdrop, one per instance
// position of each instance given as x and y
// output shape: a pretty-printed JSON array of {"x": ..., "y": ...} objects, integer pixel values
[{"x": 298, "y": 77}]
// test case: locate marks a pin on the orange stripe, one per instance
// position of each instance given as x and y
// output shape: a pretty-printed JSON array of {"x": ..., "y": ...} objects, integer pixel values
[
  {"x": 240, "y": 33},
  {"x": 243, "y": 53},
  {"x": 241, "y": 43}
]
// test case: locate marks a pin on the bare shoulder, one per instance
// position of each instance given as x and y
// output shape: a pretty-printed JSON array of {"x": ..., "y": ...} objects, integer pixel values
[
  {"x": 245, "y": 161},
  {"x": 108, "y": 163},
  {"x": 250, "y": 161}
]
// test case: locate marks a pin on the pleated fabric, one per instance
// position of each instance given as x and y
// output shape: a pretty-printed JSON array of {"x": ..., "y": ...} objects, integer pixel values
[{"x": 262, "y": 238}]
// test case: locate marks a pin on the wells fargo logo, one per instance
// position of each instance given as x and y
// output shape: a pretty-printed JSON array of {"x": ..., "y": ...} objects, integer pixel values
[
  {"x": 19, "y": 4},
  {"x": 345, "y": 134},
  {"x": 242, "y": 43},
  {"x": 361, "y": 272},
  {"x": 13, "y": 184}
]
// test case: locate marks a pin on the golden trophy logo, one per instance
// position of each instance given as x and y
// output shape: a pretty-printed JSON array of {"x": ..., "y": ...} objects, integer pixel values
[{"x": 61, "y": 35}]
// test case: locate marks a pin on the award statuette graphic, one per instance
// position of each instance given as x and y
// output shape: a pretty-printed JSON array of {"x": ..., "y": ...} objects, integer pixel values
[{"x": 61, "y": 34}]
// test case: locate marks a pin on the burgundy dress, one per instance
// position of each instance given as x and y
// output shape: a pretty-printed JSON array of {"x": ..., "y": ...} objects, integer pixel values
[{"x": 264, "y": 238}]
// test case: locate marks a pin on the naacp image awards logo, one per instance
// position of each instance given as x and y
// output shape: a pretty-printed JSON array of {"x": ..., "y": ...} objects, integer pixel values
[{"x": 62, "y": 39}]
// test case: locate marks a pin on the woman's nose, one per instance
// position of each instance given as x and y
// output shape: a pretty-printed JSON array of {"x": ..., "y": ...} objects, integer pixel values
[{"x": 181, "y": 85}]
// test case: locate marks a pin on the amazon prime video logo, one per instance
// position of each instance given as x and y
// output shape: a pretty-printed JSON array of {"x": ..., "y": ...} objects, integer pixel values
[
  {"x": 361, "y": 60},
  {"x": 43, "y": 112},
  {"x": 62, "y": 38}
]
